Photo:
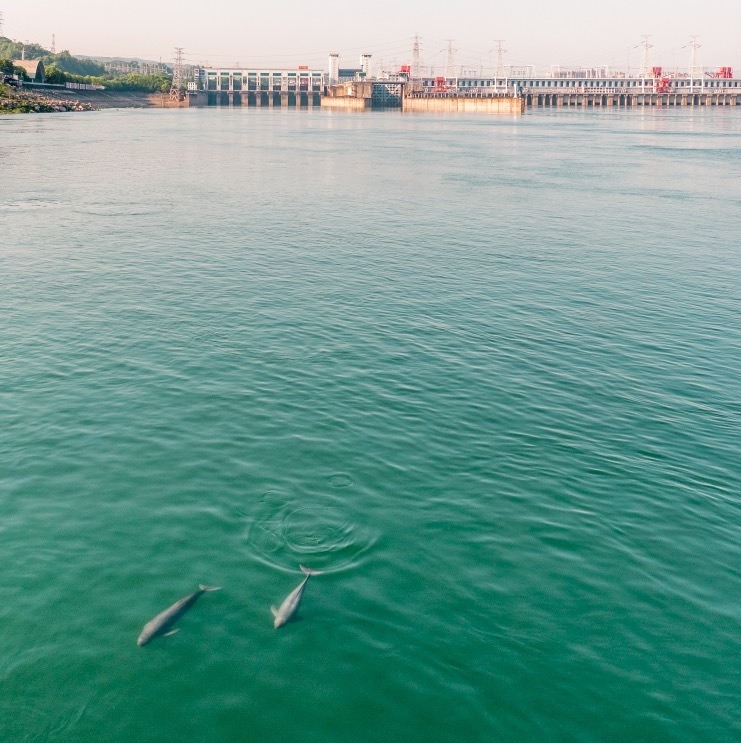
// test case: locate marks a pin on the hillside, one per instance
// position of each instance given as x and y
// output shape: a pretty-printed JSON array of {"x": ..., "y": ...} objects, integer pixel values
[{"x": 63, "y": 61}]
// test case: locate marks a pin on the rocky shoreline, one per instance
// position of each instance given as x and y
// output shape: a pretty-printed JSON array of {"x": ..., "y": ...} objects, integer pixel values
[{"x": 22, "y": 102}]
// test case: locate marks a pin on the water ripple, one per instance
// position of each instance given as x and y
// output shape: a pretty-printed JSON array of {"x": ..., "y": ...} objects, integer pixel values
[{"x": 284, "y": 533}]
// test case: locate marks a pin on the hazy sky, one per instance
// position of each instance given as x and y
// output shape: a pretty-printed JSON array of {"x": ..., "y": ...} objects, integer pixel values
[{"x": 223, "y": 32}]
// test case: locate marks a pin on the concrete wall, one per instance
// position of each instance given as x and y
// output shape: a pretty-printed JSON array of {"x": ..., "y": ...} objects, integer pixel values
[
  {"x": 346, "y": 103},
  {"x": 351, "y": 89},
  {"x": 465, "y": 105}
]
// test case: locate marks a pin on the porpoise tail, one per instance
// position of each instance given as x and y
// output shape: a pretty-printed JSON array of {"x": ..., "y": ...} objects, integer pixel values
[
  {"x": 207, "y": 589},
  {"x": 309, "y": 571}
]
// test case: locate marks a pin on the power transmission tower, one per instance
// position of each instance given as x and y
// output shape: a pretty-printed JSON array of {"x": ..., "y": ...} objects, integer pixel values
[
  {"x": 416, "y": 67},
  {"x": 450, "y": 61},
  {"x": 53, "y": 43},
  {"x": 1, "y": 24},
  {"x": 646, "y": 60},
  {"x": 499, "y": 72},
  {"x": 694, "y": 69},
  {"x": 177, "y": 75}
]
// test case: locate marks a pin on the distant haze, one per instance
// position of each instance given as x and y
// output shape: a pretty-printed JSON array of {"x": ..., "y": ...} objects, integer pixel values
[{"x": 567, "y": 33}]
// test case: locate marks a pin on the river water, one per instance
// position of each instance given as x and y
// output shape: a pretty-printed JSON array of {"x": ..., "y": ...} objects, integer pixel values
[{"x": 482, "y": 371}]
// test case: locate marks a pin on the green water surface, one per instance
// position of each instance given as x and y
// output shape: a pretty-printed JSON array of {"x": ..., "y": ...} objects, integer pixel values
[{"x": 483, "y": 371}]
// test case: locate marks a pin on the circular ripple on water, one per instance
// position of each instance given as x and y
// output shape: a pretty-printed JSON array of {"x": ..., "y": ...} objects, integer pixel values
[
  {"x": 285, "y": 533},
  {"x": 340, "y": 480}
]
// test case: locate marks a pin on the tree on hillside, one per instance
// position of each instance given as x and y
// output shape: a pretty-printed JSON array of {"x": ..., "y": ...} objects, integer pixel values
[
  {"x": 15, "y": 49},
  {"x": 134, "y": 81},
  {"x": 65, "y": 62},
  {"x": 55, "y": 76},
  {"x": 63, "y": 67}
]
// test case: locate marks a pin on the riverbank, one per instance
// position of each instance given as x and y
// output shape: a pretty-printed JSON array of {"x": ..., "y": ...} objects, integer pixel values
[
  {"x": 55, "y": 99},
  {"x": 22, "y": 101},
  {"x": 117, "y": 98}
]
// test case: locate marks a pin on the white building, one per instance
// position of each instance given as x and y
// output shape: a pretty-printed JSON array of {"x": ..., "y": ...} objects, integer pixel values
[{"x": 231, "y": 80}]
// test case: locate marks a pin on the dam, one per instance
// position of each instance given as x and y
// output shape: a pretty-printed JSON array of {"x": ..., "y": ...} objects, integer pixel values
[{"x": 309, "y": 88}]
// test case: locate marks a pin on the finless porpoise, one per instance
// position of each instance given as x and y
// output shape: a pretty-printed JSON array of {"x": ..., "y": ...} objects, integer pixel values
[
  {"x": 290, "y": 604},
  {"x": 161, "y": 624}
]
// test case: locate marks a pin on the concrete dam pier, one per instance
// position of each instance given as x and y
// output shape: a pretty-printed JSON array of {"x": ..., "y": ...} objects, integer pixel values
[
  {"x": 257, "y": 99},
  {"x": 492, "y": 104},
  {"x": 382, "y": 94}
]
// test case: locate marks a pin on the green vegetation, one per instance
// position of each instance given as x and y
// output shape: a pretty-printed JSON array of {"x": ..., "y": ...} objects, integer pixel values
[
  {"x": 65, "y": 62},
  {"x": 130, "y": 82},
  {"x": 13, "y": 49},
  {"x": 133, "y": 81},
  {"x": 64, "y": 68},
  {"x": 55, "y": 76}
]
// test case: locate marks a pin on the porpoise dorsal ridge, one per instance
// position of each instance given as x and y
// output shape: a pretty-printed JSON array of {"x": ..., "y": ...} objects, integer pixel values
[
  {"x": 161, "y": 625},
  {"x": 290, "y": 604}
]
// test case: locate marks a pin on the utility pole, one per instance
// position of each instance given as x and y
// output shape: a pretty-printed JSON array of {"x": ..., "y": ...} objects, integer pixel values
[
  {"x": 177, "y": 75},
  {"x": 499, "y": 72},
  {"x": 646, "y": 61}
]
